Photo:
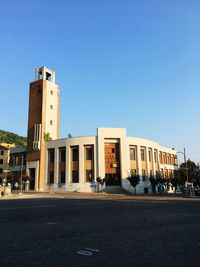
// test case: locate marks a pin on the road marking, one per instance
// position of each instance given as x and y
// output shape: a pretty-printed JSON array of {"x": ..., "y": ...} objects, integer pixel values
[
  {"x": 87, "y": 251},
  {"x": 92, "y": 249}
]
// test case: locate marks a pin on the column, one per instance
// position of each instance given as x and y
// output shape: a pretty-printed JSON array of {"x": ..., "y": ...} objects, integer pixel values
[
  {"x": 56, "y": 166},
  {"x": 68, "y": 165},
  {"x": 153, "y": 162},
  {"x": 139, "y": 161},
  {"x": 147, "y": 160},
  {"x": 81, "y": 164}
]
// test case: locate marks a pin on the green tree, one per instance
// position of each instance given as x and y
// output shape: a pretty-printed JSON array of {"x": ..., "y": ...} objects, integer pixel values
[
  {"x": 47, "y": 137},
  {"x": 153, "y": 182},
  {"x": 134, "y": 181}
]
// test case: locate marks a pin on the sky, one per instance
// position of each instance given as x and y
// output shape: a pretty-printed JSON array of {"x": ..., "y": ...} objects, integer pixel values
[{"x": 131, "y": 64}]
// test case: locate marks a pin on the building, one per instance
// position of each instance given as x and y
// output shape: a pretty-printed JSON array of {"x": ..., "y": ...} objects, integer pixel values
[
  {"x": 17, "y": 165},
  {"x": 73, "y": 164},
  {"x": 4, "y": 159}
]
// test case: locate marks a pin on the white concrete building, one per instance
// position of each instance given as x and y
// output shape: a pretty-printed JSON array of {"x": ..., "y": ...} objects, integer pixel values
[{"x": 73, "y": 164}]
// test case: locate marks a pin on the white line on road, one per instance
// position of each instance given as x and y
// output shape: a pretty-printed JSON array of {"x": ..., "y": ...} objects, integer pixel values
[{"x": 87, "y": 251}]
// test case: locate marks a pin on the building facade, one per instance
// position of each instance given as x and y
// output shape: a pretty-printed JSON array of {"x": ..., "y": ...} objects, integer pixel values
[
  {"x": 74, "y": 164},
  {"x": 4, "y": 159}
]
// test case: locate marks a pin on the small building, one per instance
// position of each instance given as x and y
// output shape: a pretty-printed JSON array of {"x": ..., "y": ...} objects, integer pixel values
[{"x": 4, "y": 159}]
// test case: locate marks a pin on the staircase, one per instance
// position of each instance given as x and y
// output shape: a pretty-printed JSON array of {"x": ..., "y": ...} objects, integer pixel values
[{"x": 114, "y": 189}]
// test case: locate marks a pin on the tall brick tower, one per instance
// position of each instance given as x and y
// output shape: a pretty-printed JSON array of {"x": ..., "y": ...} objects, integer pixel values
[{"x": 43, "y": 119}]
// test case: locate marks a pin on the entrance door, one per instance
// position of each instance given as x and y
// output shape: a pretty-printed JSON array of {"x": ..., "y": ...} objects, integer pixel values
[
  {"x": 112, "y": 164},
  {"x": 32, "y": 178}
]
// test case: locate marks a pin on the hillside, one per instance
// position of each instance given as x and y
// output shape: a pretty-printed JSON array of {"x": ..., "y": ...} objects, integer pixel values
[{"x": 8, "y": 137}]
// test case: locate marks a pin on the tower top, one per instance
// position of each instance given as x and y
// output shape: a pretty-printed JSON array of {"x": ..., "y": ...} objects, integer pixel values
[{"x": 44, "y": 73}]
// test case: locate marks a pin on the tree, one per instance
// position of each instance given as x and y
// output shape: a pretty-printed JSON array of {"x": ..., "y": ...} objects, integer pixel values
[
  {"x": 153, "y": 182},
  {"x": 69, "y": 135},
  {"x": 134, "y": 181},
  {"x": 193, "y": 170},
  {"x": 47, "y": 137}
]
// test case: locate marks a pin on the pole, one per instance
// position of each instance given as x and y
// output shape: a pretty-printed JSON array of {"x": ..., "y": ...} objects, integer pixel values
[{"x": 186, "y": 165}]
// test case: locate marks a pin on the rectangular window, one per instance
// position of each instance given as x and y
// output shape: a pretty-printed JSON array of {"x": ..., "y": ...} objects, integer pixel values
[
  {"x": 89, "y": 176},
  {"x": 62, "y": 155},
  {"x": 161, "y": 157},
  {"x": 51, "y": 177},
  {"x": 51, "y": 92},
  {"x": 51, "y": 156},
  {"x": 149, "y": 155},
  {"x": 75, "y": 178},
  {"x": 51, "y": 122},
  {"x": 62, "y": 177},
  {"x": 1, "y": 161},
  {"x": 51, "y": 106},
  {"x": 168, "y": 159},
  {"x": 155, "y": 156},
  {"x": 89, "y": 153},
  {"x": 1, "y": 171},
  {"x": 132, "y": 153},
  {"x": 75, "y": 154},
  {"x": 2, "y": 152},
  {"x": 142, "y": 155}
]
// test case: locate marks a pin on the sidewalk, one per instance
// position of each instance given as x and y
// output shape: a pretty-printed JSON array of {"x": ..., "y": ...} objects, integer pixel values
[{"x": 100, "y": 196}]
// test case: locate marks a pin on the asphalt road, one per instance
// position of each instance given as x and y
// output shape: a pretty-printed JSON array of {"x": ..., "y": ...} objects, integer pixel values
[{"x": 95, "y": 232}]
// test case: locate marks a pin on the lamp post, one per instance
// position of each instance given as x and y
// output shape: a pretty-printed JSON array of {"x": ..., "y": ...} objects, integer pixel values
[
  {"x": 188, "y": 186},
  {"x": 184, "y": 155}
]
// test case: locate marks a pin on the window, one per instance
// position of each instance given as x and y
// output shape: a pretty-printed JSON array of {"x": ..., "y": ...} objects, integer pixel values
[
  {"x": 151, "y": 173},
  {"x": 51, "y": 177},
  {"x": 169, "y": 159},
  {"x": 1, "y": 161},
  {"x": 51, "y": 122},
  {"x": 51, "y": 92},
  {"x": 161, "y": 158},
  {"x": 89, "y": 176},
  {"x": 75, "y": 178},
  {"x": 132, "y": 153},
  {"x": 155, "y": 156},
  {"x": 75, "y": 155},
  {"x": 51, "y": 106},
  {"x": 113, "y": 150},
  {"x": 62, "y": 177},
  {"x": 149, "y": 155},
  {"x": 89, "y": 153},
  {"x": 2, "y": 152},
  {"x": 62, "y": 155},
  {"x": 1, "y": 171},
  {"x": 142, "y": 154},
  {"x": 51, "y": 155}
]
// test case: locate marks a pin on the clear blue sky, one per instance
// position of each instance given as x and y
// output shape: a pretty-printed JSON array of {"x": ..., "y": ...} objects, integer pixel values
[{"x": 119, "y": 63}]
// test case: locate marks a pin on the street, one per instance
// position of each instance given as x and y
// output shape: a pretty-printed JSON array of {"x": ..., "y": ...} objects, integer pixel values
[{"x": 99, "y": 232}]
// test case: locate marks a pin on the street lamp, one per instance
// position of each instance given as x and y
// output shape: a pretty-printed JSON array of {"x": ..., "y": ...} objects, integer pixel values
[{"x": 184, "y": 155}]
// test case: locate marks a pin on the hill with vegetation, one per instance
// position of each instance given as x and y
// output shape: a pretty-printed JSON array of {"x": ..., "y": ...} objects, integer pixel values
[{"x": 8, "y": 137}]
